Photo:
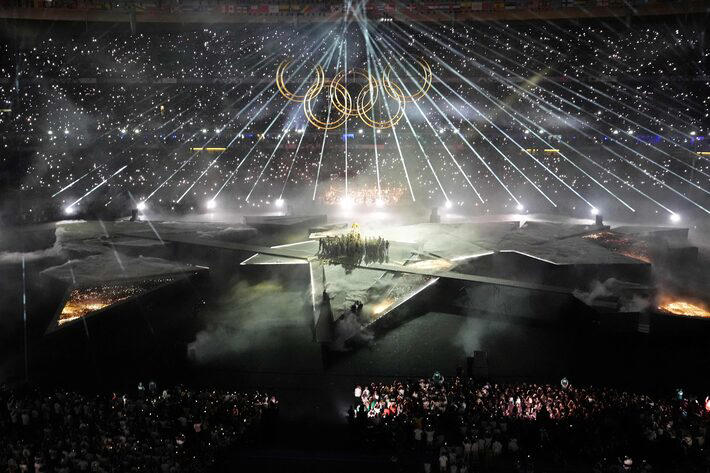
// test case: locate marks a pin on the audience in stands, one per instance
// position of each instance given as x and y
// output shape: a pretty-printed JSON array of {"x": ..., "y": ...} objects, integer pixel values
[
  {"x": 147, "y": 99},
  {"x": 458, "y": 426},
  {"x": 172, "y": 430}
]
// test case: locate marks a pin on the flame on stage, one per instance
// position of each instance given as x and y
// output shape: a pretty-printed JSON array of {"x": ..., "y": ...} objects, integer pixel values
[
  {"x": 86, "y": 300},
  {"x": 681, "y": 307}
]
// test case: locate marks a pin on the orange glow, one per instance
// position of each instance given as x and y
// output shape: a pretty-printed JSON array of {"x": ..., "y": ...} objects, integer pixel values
[
  {"x": 379, "y": 308},
  {"x": 83, "y": 301},
  {"x": 679, "y": 307},
  {"x": 432, "y": 265},
  {"x": 76, "y": 309},
  {"x": 637, "y": 249}
]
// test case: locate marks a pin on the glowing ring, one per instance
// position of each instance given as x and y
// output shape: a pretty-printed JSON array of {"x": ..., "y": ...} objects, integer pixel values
[
  {"x": 413, "y": 97},
  {"x": 342, "y": 101},
  {"x": 394, "y": 119},
  {"x": 353, "y": 112},
  {"x": 310, "y": 93},
  {"x": 315, "y": 121},
  {"x": 281, "y": 84}
]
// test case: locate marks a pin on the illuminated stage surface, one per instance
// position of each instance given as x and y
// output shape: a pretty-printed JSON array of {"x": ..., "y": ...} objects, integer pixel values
[
  {"x": 102, "y": 281},
  {"x": 517, "y": 257},
  {"x": 447, "y": 290},
  {"x": 526, "y": 255}
]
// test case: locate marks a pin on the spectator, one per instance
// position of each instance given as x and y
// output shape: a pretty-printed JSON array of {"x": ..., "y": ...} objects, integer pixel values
[
  {"x": 66, "y": 431},
  {"x": 489, "y": 425}
]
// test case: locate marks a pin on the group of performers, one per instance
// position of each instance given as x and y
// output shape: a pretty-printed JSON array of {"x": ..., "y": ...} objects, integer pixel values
[{"x": 353, "y": 248}]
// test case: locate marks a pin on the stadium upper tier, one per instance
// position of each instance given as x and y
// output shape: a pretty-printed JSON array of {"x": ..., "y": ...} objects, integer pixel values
[
  {"x": 534, "y": 115},
  {"x": 264, "y": 11}
]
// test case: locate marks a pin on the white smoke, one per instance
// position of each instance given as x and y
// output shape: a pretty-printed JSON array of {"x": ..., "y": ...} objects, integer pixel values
[
  {"x": 246, "y": 319},
  {"x": 635, "y": 304},
  {"x": 623, "y": 290},
  {"x": 234, "y": 234},
  {"x": 597, "y": 290},
  {"x": 16, "y": 257},
  {"x": 350, "y": 327}
]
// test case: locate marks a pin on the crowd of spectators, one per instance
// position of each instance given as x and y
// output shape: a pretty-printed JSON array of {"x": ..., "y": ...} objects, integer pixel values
[
  {"x": 171, "y": 430},
  {"x": 96, "y": 101},
  {"x": 460, "y": 426}
]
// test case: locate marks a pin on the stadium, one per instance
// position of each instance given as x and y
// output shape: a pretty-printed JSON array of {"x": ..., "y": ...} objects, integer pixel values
[{"x": 325, "y": 235}]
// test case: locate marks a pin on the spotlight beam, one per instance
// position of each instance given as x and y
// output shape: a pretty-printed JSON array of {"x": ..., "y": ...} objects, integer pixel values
[
  {"x": 249, "y": 71},
  {"x": 234, "y": 117},
  {"x": 618, "y": 115},
  {"x": 421, "y": 148},
  {"x": 646, "y": 173},
  {"x": 96, "y": 187},
  {"x": 345, "y": 79},
  {"x": 503, "y": 109},
  {"x": 188, "y": 160},
  {"x": 372, "y": 110},
  {"x": 368, "y": 48},
  {"x": 545, "y": 167},
  {"x": 562, "y": 99},
  {"x": 681, "y": 103},
  {"x": 75, "y": 181},
  {"x": 534, "y": 43},
  {"x": 549, "y": 145},
  {"x": 118, "y": 128},
  {"x": 446, "y": 148},
  {"x": 632, "y": 164},
  {"x": 243, "y": 59},
  {"x": 251, "y": 120},
  {"x": 268, "y": 161},
  {"x": 221, "y": 153},
  {"x": 524, "y": 95},
  {"x": 462, "y": 137},
  {"x": 293, "y": 161},
  {"x": 266, "y": 130},
  {"x": 325, "y": 130},
  {"x": 508, "y": 160},
  {"x": 125, "y": 150},
  {"x": 576, "y": 166}
]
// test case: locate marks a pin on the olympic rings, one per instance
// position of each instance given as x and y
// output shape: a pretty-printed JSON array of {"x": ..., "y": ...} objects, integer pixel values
[
  {"x": 342, "y": 101},
  {"x": 334, "y": 88},
  {"x": 281, "y": 84},
  {"x": 381, "y": 125},
  {"x": 413, "y": 97},
  {"x": 370, "y": 83}
]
